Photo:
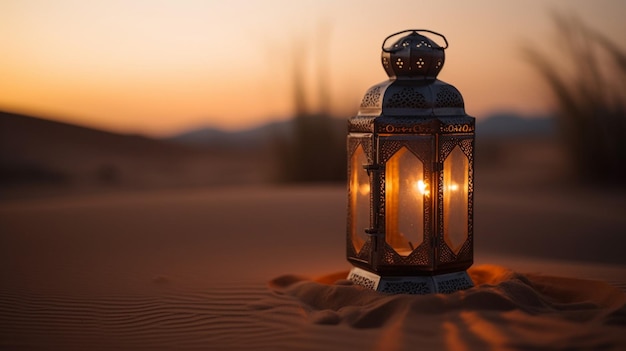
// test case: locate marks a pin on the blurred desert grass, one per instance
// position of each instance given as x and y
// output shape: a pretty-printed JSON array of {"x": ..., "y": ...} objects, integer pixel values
[{"x": 587, "y": 78}]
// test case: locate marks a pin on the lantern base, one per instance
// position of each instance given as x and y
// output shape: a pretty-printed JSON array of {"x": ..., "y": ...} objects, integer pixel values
[{"x": 442, "y": 283}]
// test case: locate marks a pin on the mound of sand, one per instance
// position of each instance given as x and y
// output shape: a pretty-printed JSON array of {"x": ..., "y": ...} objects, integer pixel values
[{"x": 505, "y": 310}]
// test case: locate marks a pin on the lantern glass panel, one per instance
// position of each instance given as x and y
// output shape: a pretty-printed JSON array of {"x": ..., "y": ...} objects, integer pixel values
[
  {"x": 455, "y": 199},
  {"x": 359, "y": 198},
  {"x": 405, "y": 192}
]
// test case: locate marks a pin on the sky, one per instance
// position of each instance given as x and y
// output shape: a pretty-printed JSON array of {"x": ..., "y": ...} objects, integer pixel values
[{"x": 159, "y": 67}]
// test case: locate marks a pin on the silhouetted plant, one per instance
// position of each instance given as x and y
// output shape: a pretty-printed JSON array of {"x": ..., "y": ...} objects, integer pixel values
[
  {"x": 315, "y": 150},
  {"x": 588, "y": 80}
]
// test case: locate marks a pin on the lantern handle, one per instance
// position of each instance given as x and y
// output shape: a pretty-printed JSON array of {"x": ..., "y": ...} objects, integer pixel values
[{"x": 415, "y": 31}]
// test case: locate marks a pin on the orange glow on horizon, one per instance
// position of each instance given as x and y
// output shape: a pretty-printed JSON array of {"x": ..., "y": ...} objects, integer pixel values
[{"x": 158, "y": 68}]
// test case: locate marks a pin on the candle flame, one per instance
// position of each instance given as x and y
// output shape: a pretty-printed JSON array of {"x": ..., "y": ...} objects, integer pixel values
[{"x": 421, "y": 187}]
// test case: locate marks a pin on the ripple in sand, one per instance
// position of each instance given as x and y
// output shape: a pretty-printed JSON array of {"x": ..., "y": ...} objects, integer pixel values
[
  {"x": 505, "y": 309},
  {"x": 221, "y": 318}
]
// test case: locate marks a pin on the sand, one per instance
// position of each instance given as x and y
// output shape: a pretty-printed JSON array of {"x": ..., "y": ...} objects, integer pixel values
[
  {"x": 506, "y": 310},
  {"x": 263, "y": 268}
]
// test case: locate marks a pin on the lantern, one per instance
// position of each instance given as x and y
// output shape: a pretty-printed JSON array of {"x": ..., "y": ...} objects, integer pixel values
[{"x": 411, "y": 176}]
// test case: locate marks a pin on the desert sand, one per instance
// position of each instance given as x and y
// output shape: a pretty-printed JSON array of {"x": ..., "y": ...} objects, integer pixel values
[
  {"x": 263, "y": 268},
  {"x": 112, "y": 242}
]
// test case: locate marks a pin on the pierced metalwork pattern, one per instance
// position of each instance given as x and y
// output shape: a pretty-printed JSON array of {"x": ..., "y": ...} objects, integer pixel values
[
  {"x": 423, "y": 43},
  {"x": 371, "y": 98},
  {"x": 407, "y": 97},
  {"x": 420, "y": 148},
  {"x": 399, "y": 63},
  {"x": 388, "y": 148},
  {"x": 449, "y": 286},
  {"x": 366, "y": 144},
  {"x": 466, "y": 144},
  {"x": 353, "y": 143},
  {"x": 405, "y": 111},
  {"x": 445, "y": 147},
  {"x": 364, "y": 124},
  {"x": 363, "y": 281},
  {"x": 419, "y": 63},
  {"x": 412, "y": 284},
  {"x": 421, "y": 256},
  {"x": 405, "y": 126},
  {"x": 448, "y": 97},
  {"x": 381, "y": 200},
  {"x": 405, "y": 287},
  {"x": 466, "y": 251},
  {"x": 385, "y": 62},
  {"x": 389, "y": 256},
  {"x": 458, "y": 125},
  {"x": 445, "y": 253}
]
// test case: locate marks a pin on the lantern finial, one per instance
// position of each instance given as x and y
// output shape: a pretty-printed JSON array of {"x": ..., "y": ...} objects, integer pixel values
[{"x": 413, "y": 56}]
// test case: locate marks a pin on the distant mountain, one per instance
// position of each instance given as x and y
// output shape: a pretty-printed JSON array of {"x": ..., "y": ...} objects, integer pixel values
[
  {"x": 37, "y": 151},
  {"x": 493, "y": 126},
  {"x": 209, "y": 136},
  {"x": 34, "y": 149},
  {"x": 262, "y": 135}
]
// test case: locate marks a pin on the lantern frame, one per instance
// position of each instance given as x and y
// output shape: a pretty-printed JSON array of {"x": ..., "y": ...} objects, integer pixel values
[{"x": 414, "y": 112}]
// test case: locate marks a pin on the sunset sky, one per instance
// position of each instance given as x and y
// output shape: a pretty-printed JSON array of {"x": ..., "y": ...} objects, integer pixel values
[{"x": 160, "y": 67}]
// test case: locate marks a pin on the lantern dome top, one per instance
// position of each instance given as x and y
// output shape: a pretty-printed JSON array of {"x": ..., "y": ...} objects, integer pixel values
[
  {"x": 412, "y": 62},
  {"x": 413, "y": 56}
]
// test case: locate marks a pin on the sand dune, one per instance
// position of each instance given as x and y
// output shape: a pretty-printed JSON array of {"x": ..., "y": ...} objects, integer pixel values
[
  {"x": 262, "y": 268},
  {"x": 194, "y": 320},
  {"x": 159, "y": 261},
  {"x": 505, "y": 311},
  {"x": 41, "y": 158}
]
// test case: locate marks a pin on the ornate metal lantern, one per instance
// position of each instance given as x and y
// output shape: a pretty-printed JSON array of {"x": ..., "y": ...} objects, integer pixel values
[{"x": 411, "y": 176}]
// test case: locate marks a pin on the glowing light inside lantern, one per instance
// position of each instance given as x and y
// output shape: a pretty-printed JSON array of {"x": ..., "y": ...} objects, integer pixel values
[
  {"x": 405, "y": 191},
  {"x": 360, "y": 199},
  {"x": 455, "y": 199},
  {"x": 421, "y": 188},
  {"x": 413, "y": 144},
  {"x": 364, "y": 189}
]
